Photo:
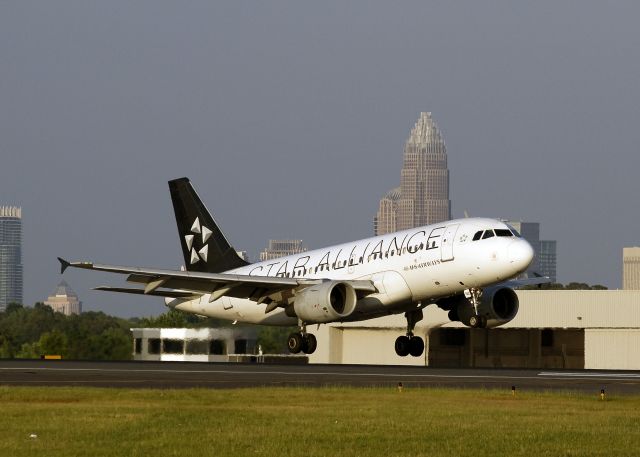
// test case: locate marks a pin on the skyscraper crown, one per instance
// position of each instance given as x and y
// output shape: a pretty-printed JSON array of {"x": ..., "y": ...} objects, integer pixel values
[{"x": 425, "y": 131}]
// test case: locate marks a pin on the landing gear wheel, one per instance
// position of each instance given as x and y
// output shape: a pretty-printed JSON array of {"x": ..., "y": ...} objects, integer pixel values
[
  {"x": 477, "y": 321},
  {"x": 295, "y": 343},
  {"x": 403, "y": 344},
  {"x": 416, "y": 346},
  {"x": 310, "y": 343}
]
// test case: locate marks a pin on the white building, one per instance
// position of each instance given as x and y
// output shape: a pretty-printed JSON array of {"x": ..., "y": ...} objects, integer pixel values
[
  {"x": 192, "y": 344},
  {"x": 64, "y": 300},
  {"x": 594, "y": 329}
]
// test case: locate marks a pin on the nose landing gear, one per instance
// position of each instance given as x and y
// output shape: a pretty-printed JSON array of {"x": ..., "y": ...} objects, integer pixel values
[
  {"x": 409, "y": 343},
  {"x": 477, "y": 320}
]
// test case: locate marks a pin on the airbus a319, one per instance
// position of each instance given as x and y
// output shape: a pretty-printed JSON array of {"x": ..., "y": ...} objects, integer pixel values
[{"x": 464, "y": 266}]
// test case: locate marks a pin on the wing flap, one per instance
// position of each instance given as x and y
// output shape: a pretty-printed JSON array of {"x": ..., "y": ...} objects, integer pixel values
[{"x": 155, "y": 293}]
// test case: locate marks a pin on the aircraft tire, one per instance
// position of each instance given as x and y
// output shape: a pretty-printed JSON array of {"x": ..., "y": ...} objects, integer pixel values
[
  {"x": 474, "y": 321},
  {"x": 416, "y": 346},
  {"x": 311, "y": 343},
  {"x": 295, "y": 343},
  {"x": 402, "y": 346},
  {"x": 483, "y": 322}
]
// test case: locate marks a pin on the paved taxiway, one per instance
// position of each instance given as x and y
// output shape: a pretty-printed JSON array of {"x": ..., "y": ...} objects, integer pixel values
[{"x": 229, "y": 375}]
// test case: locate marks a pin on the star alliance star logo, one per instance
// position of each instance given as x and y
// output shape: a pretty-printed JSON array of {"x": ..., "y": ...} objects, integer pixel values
[{"x": 196, "y": 229}]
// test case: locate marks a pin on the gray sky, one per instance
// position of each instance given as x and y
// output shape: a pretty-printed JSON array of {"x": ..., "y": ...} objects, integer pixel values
[{"x": 290, "y": 119}]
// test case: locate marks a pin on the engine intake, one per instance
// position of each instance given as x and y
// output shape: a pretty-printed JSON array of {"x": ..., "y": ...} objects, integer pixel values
[
  {"x": 326, "y": 302},
  {"x": 498, "y": 304}
]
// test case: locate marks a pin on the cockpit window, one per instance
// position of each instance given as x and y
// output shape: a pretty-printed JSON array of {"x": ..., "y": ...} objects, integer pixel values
[
  {"x": 503, "y": 232},
  {"x": 514, "y": 231},
  {"x": 487, "y": 234},
  {"x": 477, "y": 236}
]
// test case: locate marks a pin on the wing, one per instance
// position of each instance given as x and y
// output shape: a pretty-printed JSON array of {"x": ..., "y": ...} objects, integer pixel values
[
  {"x": 514, "y": 283},
  {"x": 192, "y": 284}
]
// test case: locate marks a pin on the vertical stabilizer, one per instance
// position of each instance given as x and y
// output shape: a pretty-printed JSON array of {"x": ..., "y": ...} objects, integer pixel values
[{"x": 204, "y": 246}]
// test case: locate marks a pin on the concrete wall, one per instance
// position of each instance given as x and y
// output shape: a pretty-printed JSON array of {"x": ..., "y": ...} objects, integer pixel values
[{"x": 612, "y": 349}]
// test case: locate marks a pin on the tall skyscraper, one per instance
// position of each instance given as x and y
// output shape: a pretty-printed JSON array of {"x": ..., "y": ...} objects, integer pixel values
[
  {"x": 10, "y": 255},
  {"x": 631, "y": 268},
  {"x": 281, "y": 248},
  {"x": 423, "y": 195},
  {"x": 64, "y": 300}
]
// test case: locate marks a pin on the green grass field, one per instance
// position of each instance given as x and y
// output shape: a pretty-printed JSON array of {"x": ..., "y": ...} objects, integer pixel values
[{"x": 313, "y": 422}]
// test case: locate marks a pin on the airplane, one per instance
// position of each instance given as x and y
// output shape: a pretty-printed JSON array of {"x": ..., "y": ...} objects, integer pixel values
[{"x": 464, "y": 266}]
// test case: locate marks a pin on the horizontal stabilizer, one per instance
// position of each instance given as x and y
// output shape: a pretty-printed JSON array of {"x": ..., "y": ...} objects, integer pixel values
[{"x": 63, "y": 264}]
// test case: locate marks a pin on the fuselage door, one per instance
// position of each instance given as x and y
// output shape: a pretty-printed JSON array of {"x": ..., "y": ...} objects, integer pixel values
[{"x": 446, "y": 246}]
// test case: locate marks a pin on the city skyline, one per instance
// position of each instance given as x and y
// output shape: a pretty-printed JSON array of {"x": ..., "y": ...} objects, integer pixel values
[{"x": 290, "y": 122}]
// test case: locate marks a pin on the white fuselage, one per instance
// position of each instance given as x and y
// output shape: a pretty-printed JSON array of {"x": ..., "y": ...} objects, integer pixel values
[{"x": 409, "y": 268}]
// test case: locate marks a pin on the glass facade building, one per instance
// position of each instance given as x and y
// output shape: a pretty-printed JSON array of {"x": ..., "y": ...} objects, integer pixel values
[
  {"x": 423, "y": 195},
  {"x": 10, "y": 255},
  {"x": 547, "y": 259}
]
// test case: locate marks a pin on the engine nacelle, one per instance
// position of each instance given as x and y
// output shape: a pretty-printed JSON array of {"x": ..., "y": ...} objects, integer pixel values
[
  {"x": 326, "y": 302},
  {"x": 498, "y": 304}
]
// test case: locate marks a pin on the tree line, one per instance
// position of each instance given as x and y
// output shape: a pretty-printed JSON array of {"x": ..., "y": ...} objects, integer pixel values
[{"x": 31, "y": 332}]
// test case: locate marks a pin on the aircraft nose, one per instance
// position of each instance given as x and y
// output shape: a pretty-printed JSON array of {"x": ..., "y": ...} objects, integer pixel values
[{"x": 521, "y": 254}]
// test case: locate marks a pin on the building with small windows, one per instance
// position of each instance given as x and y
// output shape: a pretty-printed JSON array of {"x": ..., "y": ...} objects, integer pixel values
[
  {"x": 282, "y": 248},
  {"x": 11, "y": 273},
  {"x": 423, "y": 195},
  {"x": 193, "y": 345},
  {"x": 631, "y": 268},
  {"x": 64, "y": 300}
]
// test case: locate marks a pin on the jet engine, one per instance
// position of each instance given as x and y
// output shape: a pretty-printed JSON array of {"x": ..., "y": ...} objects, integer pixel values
[
  {"x": 498, "y": 304},
  {"x": 326, "y": 302}
]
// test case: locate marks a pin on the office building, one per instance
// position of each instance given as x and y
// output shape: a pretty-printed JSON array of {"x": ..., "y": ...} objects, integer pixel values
[
  {"x": 631, "y": 268},
  {"x": 11, "y": 274},
  {"x": 547, "y": 259},
  {"x": 423, "y": 195},
  {"x": 64, "y": 300},
  {"x": 282, "y": 248}
]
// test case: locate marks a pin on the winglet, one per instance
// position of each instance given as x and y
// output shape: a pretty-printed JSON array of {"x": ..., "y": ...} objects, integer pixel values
[{"x": 63, "y": 264}]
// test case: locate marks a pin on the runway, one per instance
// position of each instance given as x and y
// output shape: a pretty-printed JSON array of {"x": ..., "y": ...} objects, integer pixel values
[{"x": 234, "y": 375}]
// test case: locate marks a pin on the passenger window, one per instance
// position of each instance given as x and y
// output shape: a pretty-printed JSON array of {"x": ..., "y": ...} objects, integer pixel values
[
  {"x": 503, "y": 232},
  {"x": 477, "y": 236},
  {"x": 487, "y": 234}
]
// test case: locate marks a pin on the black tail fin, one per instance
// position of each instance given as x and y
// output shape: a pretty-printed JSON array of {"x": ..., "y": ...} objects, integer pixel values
[{"x": 204, "y": 246}]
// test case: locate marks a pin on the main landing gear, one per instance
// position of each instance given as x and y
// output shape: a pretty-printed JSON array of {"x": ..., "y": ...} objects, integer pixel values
[
  {"x": 302, "y": 341},
  {"x": 409, "y": 343}
]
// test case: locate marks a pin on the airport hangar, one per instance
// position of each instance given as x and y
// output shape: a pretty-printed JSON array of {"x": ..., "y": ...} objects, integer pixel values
[{"x": 573, "y": 329}]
